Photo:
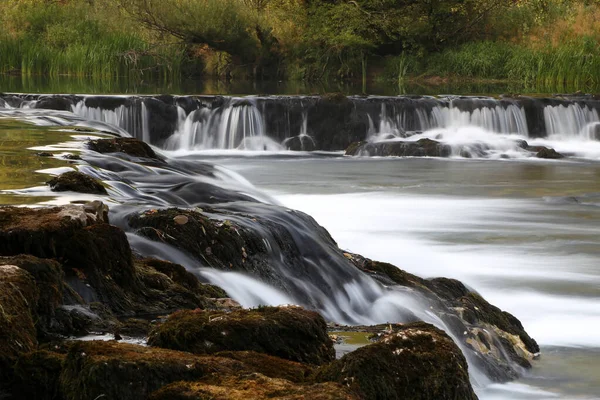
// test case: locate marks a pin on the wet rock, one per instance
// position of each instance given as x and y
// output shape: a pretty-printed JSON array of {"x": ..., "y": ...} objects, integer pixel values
[
  {"x": 352, "y": 150},
  {"x": 420, "y": 148},
  {"x": 253, "y": 386},
  {"x": 72, "y": 157},
  {"x": 49, "y": 278},
  {"x": 291, "y": 333},
  {"x": 415, "y": 361},
  {"x": 271, "y": 366},
  {"x": 44, "y": 154},
  {"x": 98, "y": 266},
  {"x": 300, "y": 143},
  {"x": 501, "y": 344},
  {"x": 122, "y": 371},
  {"x": 129, "y": 146},
  {"x": 59, "y": 103},
  {"x": 18, "y": 300},
  {"x": 522, "y": 144},
  {"x": 75, "y": 181},
  {"x": 548, "y": 153},
  {"x": 37, "y": 375}
]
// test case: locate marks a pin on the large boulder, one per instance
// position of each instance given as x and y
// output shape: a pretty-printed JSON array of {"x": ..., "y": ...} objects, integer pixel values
[
  {"x": 96, "y": 266},
  {"x": 415, "y": 361},
  {"x": 253, "y": 386},
  {"x": 397, "y": 148},
  {"x": 291, "y": 333}
]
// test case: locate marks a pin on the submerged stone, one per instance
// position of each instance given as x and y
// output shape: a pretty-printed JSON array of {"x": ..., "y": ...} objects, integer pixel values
[{"x": 291, "y": 333}]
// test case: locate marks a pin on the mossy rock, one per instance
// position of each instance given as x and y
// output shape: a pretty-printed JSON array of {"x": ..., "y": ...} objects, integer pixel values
[
  {"x": 417, "y": 361},
  {"x": 41, "y": 232},
  {"x": 549, "y": 154},
  {"x": 396, "y": 148},
  {"x": 254, "y": 386},
  {"x": 291, "y": 333},
  {"x": 131, "y": 372},
  {"x": 37, "y": 375},
  {"x": 75, "y": 181},
  {"x": 271, "y": 366},
  {"x": 18, "y": 303},
  {"x": 130, "y": 146},
  {"x": 335, "y": 97}
]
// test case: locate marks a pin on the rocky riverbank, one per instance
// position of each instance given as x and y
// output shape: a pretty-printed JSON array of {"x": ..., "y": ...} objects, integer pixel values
[{"x": 67, "y": 272}]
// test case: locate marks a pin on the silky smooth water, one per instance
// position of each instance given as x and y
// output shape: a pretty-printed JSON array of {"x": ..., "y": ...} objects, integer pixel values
[{"x": 525, "y": 234}]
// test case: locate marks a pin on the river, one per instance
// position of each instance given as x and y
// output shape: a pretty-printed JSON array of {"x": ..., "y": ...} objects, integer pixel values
[{"x": 521, "y": 231}]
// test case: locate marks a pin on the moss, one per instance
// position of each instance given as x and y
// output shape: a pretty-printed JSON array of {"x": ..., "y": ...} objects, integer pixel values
[
  {"x": 130, "y": 146},
  {"x": 416, "y": 361},
  {"x": 37, "y": 375},
  {"x": 287, "y": 332},
  {"x": 270, "y": 366},
  {"x": 130, "y": 372},
  {"x": 49, "y": 278},
  {"x": 75, "y": 181},
  {"x": 254, "y": 386},
  {"x": 18, "y": 302}
]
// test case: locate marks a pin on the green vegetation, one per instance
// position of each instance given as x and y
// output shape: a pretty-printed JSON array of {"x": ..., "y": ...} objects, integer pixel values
[{"x": 538, "y": 43}]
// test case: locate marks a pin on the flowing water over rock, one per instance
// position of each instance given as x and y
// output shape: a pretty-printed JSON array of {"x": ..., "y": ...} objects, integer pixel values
[{"x": 433, "y": 231}]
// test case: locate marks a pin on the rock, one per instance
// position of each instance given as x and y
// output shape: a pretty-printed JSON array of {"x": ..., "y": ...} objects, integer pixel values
[
  {"x": 58, "y": 102},
  {"x": 37, "y": 375},
  {"x": 300, "y": 143},
  {"x": 522, "y": 144},
  {"x": 352, "y": 150},
  {"x": 98, "y": 267},
  {"x": 181, "y": 219},
  {"x": 415, "y": 361},
  {"x": 18, "y": 301},
  {"x": 76, "y": 182},
  {"x": 49, "y": 278},
  {"x": 291, "y": 333},
  {"x": 129, "y": 146},
  {"x": 253, "y": 386},
  {"x": 122, "y": 371},
  {"x": 44, "y": 154},
  {"x": 496, "y": 337},
  {"x": 549, "y": 154},
  {"x": 420, "y": 148},
  {"x": 271, "y": 366}
]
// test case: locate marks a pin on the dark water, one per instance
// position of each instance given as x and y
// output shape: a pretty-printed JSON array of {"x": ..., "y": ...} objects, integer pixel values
[{"x": 85, "y": 85}]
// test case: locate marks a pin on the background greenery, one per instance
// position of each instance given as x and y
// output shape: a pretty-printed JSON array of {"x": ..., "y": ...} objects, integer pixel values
[{"x": 547, "y": 43}]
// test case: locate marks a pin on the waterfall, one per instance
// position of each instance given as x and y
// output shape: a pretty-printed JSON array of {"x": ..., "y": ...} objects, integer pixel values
[
  {"x": 236, "y": 124},
  {"x": 128, "y": 117},
  {"x": 572, "y": 121}
]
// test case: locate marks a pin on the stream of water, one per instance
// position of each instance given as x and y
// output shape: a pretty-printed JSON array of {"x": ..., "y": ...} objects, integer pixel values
[{"x": 520, "y": 230}]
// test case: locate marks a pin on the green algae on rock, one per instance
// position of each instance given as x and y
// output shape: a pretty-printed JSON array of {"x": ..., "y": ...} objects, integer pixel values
[{"x": 291, "y": 333}]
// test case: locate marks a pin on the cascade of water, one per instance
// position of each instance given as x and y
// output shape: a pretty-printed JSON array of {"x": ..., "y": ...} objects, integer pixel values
[
  {"x": 572, "y": 121},
  {"x": 503, "y": 119},
  {"x": 236, "y": 124},
  {"x": 130, "y": 118}
]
